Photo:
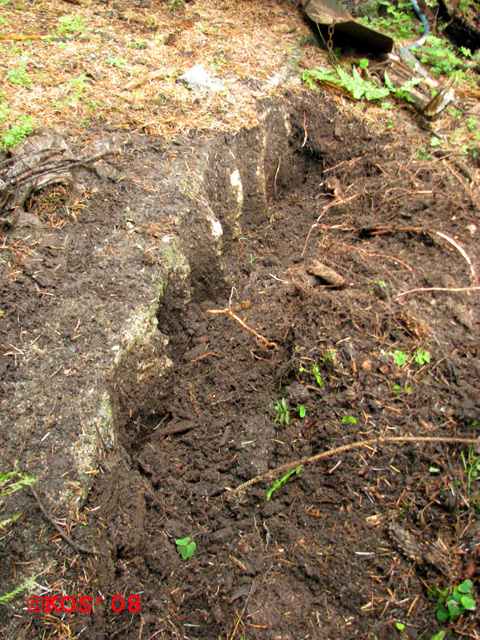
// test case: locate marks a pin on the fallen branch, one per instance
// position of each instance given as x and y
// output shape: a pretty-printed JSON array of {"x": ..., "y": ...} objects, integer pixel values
[
  {"x": 229, "y": 312},
  {"x": 348, "y": 447},
  {"x": 68, "y": 540}
]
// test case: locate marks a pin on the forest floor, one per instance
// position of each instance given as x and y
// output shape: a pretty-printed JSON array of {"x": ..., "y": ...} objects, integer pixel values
[{"x": 261, "y": 276}]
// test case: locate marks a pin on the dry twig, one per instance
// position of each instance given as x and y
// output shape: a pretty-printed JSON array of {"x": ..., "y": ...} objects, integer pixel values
[
  {"x": 348, "y": 447},
  {"x": 461, "y": 250},
  {"x": 447, "y": 289},
  {"x": 229, "y": 312}
]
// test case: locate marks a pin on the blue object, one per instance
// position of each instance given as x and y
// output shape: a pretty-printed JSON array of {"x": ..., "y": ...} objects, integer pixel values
[{"x": 424, "y": 21}]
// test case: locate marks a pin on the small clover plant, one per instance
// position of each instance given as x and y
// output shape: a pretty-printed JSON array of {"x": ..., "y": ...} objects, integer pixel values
[
  {"x": 186, "y": 547},
  {"x": 422, "y": 357},
  {"x": 400, "y": 357},
  {"x": 453, "y": 605}
]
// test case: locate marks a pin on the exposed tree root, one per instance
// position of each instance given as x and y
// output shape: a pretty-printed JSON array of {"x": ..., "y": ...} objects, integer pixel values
[{"x": 348, "y": 447}]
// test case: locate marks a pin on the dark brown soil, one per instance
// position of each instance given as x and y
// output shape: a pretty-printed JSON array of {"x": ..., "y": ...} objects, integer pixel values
[{"x": 351, "y": 545}]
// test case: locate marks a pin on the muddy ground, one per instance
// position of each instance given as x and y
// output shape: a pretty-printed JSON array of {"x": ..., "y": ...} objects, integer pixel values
[{"x": 370, "y": 329}]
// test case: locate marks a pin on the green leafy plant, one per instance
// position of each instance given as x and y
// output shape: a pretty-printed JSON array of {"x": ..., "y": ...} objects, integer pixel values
[
  {"x": 316, "y": 373},
  {"x": 400, "y": 357},
  {"x": 397, "y": 23},
  {"x": 15, "y": 133},
  {"x": 116, "y": 62},
  {"x": 357, "y": 86},
  {"x": 174, "y": 5},
  {"x": 349, "y": 419},
  {"x": 471, "y": 465},
  {"x": 441, "y": 56},
  {"x": 186, "y": 547},
  {"x": 329, "y": 355},
  {"x": 283, "y": 412},
  {"x": 377, "y": 286},
  {"x": 402, "y": 93},
  {"x": 453, "y": 605},
  {"x": 71, "y": 24},
  {"x": 422, "y": 357},
  {"x": 423, "y": 154},
  {"x": 13, "y": 594},
  {"x": 302, "y": 410},
  {"x": 18, "y": 75},
  {"x": 11, "y": 482},
  {"x": 79, "y": 83},
  {"x": 283, "y": 480},
  {"x": 398, "y": 389}
]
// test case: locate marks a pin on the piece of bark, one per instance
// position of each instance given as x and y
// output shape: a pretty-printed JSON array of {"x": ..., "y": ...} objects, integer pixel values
[{"x": 327, "y": 275}]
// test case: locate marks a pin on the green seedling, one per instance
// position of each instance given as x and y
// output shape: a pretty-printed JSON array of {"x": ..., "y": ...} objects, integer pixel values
[
  {"x": 439, "y": 636},
  {"x": 116, "y": 62},
  {"x": 10, "y": 483},
  {"x": 283, "y": 480},
  {"x": 283, "y": 413},
  {"x": 14, "y": 134},
  {"x": 302, "y": 410},
  {"x": 472, "y": 466},
  {"x": 13, "y": 594},
  {"x": 400, "y": 626},
  {"x": 376, "y": 287},
  {"x": 78, "y": 83},
  {"x": 453, "y": 605},
  {"x": 349, "y": 419},
  {"x": 400, "y": 357},
  {"x": 423, "y": 154},
  {"x": 398, "y": 389},
  {"x": 330, "y": 355},
  {"x": 316, "y": 373},
  {"x": 186, "y": 547},
  {"x": 173, "y": 5},
  {"x": 316, "y": 369},
  {"x": 435, "y": 142},
  {"x": 71, "y": 24},
  {"x": 18, "y": 75},
  {"x": 13, "y": 481},
  {"x": 422, "y": 357}
]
